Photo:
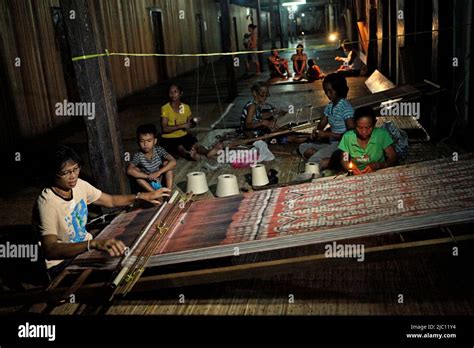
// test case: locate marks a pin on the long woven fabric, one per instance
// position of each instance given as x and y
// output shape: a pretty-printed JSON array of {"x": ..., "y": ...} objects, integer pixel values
[{"x": 417, "y": 195}]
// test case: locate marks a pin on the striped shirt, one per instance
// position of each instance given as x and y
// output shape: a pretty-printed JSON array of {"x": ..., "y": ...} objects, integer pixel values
[
  {"x": 243, "y": 117},
  {"x": 149, "y": 166},
  {"x": 338, "y": 114}
]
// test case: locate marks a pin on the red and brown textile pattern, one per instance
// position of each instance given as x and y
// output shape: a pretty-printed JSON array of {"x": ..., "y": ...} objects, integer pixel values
[
  {"x": 125, "y": 227},
  {"x": 427, "y": 188}
]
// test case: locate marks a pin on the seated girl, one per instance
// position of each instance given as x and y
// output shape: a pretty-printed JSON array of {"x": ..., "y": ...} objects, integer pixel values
[
  {"x": 366, "y": 147},
  {"x": 176, "y": 121},
  {"x": 300, "y": 60},
  {"x": 278, "y": 66}
]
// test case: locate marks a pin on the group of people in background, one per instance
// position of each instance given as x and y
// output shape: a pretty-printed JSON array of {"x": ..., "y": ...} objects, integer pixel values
[
  {"x": 344, "y": 137},
  {"x": 303, "y": 67}
]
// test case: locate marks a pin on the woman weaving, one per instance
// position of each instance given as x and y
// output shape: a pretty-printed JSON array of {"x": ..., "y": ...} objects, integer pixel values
[
  {"x": 60, "y": 212},
  {"x": 257, "y": 117},
  {"x": 367, "y": 148}
]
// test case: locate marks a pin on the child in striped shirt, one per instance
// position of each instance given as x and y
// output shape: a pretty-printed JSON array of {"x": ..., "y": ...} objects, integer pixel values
[
  {"x": 338, "y": 114},
  {"x": 152, "y": 162}
]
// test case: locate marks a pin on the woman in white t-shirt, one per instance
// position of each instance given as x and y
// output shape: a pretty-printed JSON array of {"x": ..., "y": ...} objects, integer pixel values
[{"x": 60, "y": 212}]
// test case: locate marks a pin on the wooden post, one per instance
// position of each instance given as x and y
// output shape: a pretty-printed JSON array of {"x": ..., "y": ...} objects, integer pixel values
[
  {"x": 331, "y": 16},
  {"x": 470, "y": 92},
  {"x": 272, "y": 24},
  {"x": 227, "y": 47},
  {"x": 400, "y": 41},
  {"x": 259, "y": 33},
  {"x": 95, "y": 86},
  {"x": 282, "y": 41},
  {"x": 372, "y": 55},
  {"x": 434, "y": 41}
]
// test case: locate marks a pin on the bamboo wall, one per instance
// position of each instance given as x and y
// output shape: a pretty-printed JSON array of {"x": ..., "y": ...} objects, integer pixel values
[
  {"x": 128, "y": 28},
  {"x": 27, "y": 32},
  {"x": 37, "y": 84},
  {"x": 240, "y": 13}
]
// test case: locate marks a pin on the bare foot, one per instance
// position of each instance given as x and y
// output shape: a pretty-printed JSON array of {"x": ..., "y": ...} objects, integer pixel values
[{"x": 217, "y": 147}]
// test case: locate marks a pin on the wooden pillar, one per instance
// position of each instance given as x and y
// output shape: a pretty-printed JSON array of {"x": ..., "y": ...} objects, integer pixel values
[
  {"x": 434, "y": 42},
  {"x": 373, "y": 47},
  {"x": 400, "y": 41},
  {"x": 331, "y": 17},
  {"x": 380, "y": 34},
  {"x": 260, "y": 36},
  {"x": 227, "y": 47},
  {"x": 272, "y": 24},
  {"x": 393, "y": 42},
  {"x": 280, "y": 27},
  {"x": 95, "y": 86}
]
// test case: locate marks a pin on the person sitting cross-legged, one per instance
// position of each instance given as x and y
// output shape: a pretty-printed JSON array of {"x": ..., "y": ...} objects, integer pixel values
[
  {"x": 338, "y": 114},
  {"x": 152, "y": 162},
  {"x": 278, "y": 66}
]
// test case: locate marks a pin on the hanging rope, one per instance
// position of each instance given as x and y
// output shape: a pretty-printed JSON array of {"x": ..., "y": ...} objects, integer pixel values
[{"x": 217, "y": 93}]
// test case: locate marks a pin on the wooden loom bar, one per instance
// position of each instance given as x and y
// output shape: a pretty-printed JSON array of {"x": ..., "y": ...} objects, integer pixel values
[
  {"x": 125, "y": 269},
  {"x": 158, "y": 236},
  {"x": 134, "y": 272},
  {"x": 274, "y": 134}
]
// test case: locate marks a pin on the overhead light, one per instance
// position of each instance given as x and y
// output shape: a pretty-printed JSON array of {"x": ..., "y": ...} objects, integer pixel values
[
  {"x": 292, "y": 3},
  {"x": 302, "y": 15}
]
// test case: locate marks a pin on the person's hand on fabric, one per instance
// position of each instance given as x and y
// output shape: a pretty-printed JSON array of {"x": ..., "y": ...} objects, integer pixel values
[
  {"x": 356, "y": 170},
  {"x": 111, "y": 246},
  {"x": 152, "y": 197},
  {"x": 367, "y": 170},
  {"x": 376, "y": 166}
]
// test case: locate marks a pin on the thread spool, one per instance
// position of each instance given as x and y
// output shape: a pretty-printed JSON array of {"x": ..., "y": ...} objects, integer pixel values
[
  {"x": 311, "y": 168},
  {"x": 259, "y": 175},
  {"x": 197, "y": 183},
  {"x": 227, "y": 185}
]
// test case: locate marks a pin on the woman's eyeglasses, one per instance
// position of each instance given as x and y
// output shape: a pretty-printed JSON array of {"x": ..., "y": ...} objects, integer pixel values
[
  {"x": 67, "y": 173},
  {"x": 264, "y": 95}
]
